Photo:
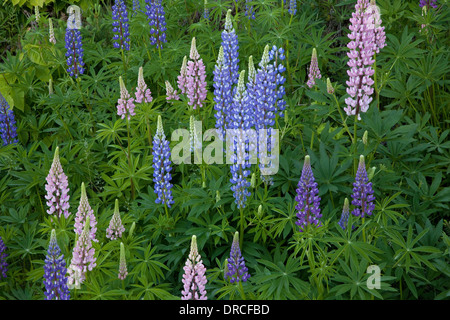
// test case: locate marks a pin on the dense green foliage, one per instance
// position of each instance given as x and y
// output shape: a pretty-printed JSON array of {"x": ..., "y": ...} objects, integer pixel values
[{"x": 408, "y": 126}]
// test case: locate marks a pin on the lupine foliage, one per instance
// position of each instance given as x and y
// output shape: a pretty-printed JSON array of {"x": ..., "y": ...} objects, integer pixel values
[{"x": 65, "y": 95}]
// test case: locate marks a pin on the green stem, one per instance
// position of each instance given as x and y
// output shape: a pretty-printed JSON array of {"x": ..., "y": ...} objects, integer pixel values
[
  {"x": 129, "y": 159},
  {"x": 344, "y": 122}
]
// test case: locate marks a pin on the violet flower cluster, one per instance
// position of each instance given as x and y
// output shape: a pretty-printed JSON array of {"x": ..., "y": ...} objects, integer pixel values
[
  {"x": 121, "y": 36},
  {"x": 157, "y": 21},
  {"x": 237, "y": 271},
  {"x": 3, "y": 263},
  {"x": 277, "y": 56},
  {"x": 83, "y": 259},
  {"x": 249, "y": 10},
  {"x": 292, "y": 7},
  {"x": 428, "y": 3},
  {"x": 314, "y": 71},
  {"x": 55, "y": 279},
  {"x": 125, "y": 104},
  {"x": 308, "y": 201},
  {"x": 84, "y": 212},
  {"x": 74, "y": 52},
  {"x": 194, "y": 278},
  {"x": 115, "y": 228},
  {"x": 363, "y": 197},
  {"x": 57, "y": 188},
  {"x": 345, "y": 214},
  {"x": 8, "y": 130},
  {"x": 162, "y": 166}
]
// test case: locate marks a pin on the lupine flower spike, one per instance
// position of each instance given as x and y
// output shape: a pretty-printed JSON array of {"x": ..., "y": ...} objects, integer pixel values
[
  {"x": 237, "y": 271},
  {"x": 314, "y": 72},
  {"x": 3, "y": 263},
  {"x": 143, "y": 93},
  {"x": 205, "y": 10},
  {"x": 345, "y": 213},
  {"x": 51, "y": 32},
  {"x": 83, "y": 259},
  {"x": 196, "y": 78},
  {"x": 115, "y": 228},
  {"x": 292, "y": 7},
  {"x": 182, "y": 78},
  {"x": 75, "y": 51},
  {"x": 171, "y": 93},
  {"x": 307, "y": 198},
  {"x": 157, "y": 21},
  {"x": 125, "y": 104},
  {"x": 239, "y": 123},
  {"x": 221, "y": 91},
  {"x": 380, "y": 36},
  {"x": 194, "y": 278},
  {"x": 55, "y": 279},
  {"x": 57, "y": 188},
  {"x": 85, "y": 211},
  {"x": 121, "y": 36},
  {"x": 330, "y": 88},
  {"x": 362, "y": 48},
  {"x": 162, "y": 166},
  {"x": 8, "y": 130},
  {"x": 362, "y": 192},
  {"x": 123, "y": 272},
  {"x": 428, "y": 3},
  {"x": 249, "y": 10}
]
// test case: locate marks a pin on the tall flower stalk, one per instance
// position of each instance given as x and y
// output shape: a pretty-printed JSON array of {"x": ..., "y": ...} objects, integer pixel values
[
  {"x": 85, "y": 213},
  {"x": 194, "y": 278},
  {"x": 57, "y": 188},
  {"x": 362, "y": 196},
  {"x": 308, "y": 201},
  {"x": 83, "y": 259},
  {"x": 3, "y": 263},
  {"x": 237, "y": 271},
  {"x": 55, "y": 279},
  {"x": 196, "y": 78},
  {"x": 115, "y": 228},
  {"x": 143, "y": 93},
  {"x": 125, "y": 104},
  {"x": 75, "y": 51},
  {"x": 123, "y": 272},
  {"x": 8, "y": 130},
  {"x": 314, "y": 71},
  {"x": 120, "y": 24},
  {"x": 345, "y": 214},
  {"x": 162, "y": 167},
  {"x": 157, "y": 21}
]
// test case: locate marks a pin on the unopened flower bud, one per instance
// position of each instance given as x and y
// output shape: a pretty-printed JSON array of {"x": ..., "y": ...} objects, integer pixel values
[
  {"x": 364, "y": 138},
  {"x": 330, "y": 88}
]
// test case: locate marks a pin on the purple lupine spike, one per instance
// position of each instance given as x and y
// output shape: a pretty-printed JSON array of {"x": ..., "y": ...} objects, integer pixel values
[
  {"x": 231, "y": 64},
  {"x": 236, "y": 136},
  {"x": 314, "y": 71},
  {"x": 307, "y": 198},
  {"x": 55, "y": 279},
  {"x": 85, "y": 211},
  {"x": 123, "y": 272},
  {"x": 205, "y": 10},
  {"x": 182, "y": 78},
  {"x": 157, "y": 21},
  {"x": 143, "y": 93},
  {"x": 171, "y": 93},
  {"x": 162, "y": 166},
  {"x": 136, "y": 8},
  {"x": 83, "y": 259},
  {"x": 74, "y": 52},
  {"x": 362, "y": 192},
  {"x": 237, "y": 271},
  {"x": 125, "y": 104},
  {"x": 428, "y": 3},
  {"x": 120, "y": 24},
  {"x": 115, "y": 228},
  {"x": 345, "y": 213},
  {"x": 8, "y": 130},
  {"x": 57, "y": 188},
  {"x": 194, "y": 278},
  {"x": 362, "y": 47},
  {"x": 196, "y": 78},
  {"x": 3, "y": 263},
  {"x": 292, "y": 7}
]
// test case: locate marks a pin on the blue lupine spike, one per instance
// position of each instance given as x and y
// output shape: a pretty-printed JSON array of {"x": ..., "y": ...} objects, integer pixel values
[
  {"x": 8, "y": 130},
  {"x": 362, "y": 192},
  {"x": 120, "y": 24},
  {"x": 157, "y": 21},
  {"x": 237, "y": 271}
]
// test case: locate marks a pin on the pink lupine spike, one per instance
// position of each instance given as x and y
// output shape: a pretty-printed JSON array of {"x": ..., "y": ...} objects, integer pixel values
[
  {"x": 116, "y": 228},
  {"x": 314, "y": 72},
  {"x": 194, "y": 278},
  {"x": 57, "y": 188},
  {"x": 171, "y": 93},
  {"x": 182, "y": 78},
  {"x": 196, "y": 78},
  {"x": 143, "y": 93},
  {"x": 125, "y": 104},
  {"x": 84, "y": 212}
]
